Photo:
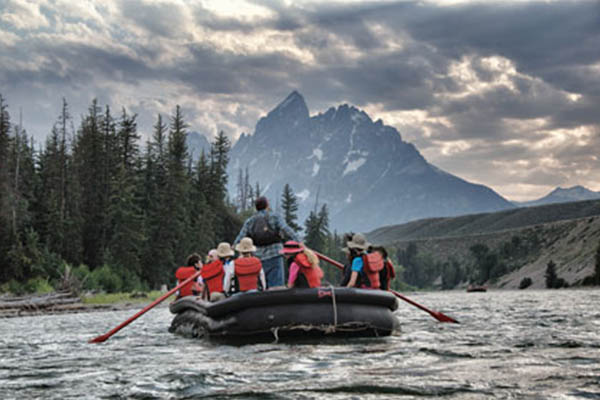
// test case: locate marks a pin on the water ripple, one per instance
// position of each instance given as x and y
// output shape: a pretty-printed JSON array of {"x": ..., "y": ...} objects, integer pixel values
[{"x": 521, "y": 344}]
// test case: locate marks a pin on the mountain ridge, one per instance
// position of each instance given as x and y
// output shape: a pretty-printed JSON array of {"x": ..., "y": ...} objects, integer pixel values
[
  {"x": 562, "y": 195},
  {"x": 566, "y": 233}
]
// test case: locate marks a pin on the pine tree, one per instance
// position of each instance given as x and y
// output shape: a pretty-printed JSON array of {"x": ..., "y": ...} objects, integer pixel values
[
  {"x": 550, "y": 275},
  {"x": 5, "y": 189},
  {"x": 202, "y": 217},
  {"x": 289, "y": 204},
  {"x": 55, "y": 220},
  {"x": 158, "y": 254},
  {"x": 257, "y": 190},
  {"x": 317, "y": 229},
  {"x": 22, "y": 183},
  {"x": 126, "y": 235},
  {"x": 219, "y": 155},
  {"x": 91, "y": 168},
  {"x": 178, "y": 186}
]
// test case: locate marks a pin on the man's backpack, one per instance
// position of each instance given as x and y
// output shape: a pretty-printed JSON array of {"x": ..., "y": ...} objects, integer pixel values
[{"x": 262, "y": 233}]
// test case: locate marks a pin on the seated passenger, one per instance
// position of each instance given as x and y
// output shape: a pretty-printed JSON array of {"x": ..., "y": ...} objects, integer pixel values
[
  {"x": 193, "y": 288},
  {"x": 211, "y": 256},
  {"x": 304, "y": 269},
  {"x": 214, "y": 272},
  {"x": 364, "y": 267},
  {"x": 387, "y": 273},
  {"x": 247, "y": 273}
]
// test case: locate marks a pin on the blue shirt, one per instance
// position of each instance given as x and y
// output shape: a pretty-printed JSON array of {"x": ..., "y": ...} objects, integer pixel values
[
  {"x": 278, "y": 224},
  {"x": 357, "y": 265}
]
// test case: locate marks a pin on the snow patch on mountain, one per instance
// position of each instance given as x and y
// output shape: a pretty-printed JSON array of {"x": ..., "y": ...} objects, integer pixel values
[
  {"x": 318, "y": 153},
  {"x": 303, "y": 195},
  {"x": 315, "y": 170},
  {"x": 353, "y": 166}
]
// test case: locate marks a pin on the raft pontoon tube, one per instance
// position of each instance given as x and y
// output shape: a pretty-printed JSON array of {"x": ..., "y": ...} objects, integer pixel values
[{"x": 288, "y": 314}]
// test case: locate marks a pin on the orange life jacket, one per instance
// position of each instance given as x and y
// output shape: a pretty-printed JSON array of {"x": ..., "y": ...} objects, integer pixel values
[
  {"x": 313, "y": 274},
  {"x": 247, "y": 270},
  {"x": 372, "y": 264},
  {"x": 192, "y": 288},
  {"x": 213, "y": 274}
]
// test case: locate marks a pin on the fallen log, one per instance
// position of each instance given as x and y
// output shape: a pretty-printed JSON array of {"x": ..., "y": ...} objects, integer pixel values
[{"x": 37, "y": 302}]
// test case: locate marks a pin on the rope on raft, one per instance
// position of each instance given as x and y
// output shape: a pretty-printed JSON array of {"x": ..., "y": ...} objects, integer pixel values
[{"x": 331, "y": 329}]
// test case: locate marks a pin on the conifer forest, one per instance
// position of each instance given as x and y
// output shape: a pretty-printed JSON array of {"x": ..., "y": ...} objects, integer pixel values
[{"x": 96, "y": 206}]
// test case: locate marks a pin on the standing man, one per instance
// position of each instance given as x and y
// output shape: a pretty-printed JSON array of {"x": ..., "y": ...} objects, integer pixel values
[{"x": 265, "y": 228}]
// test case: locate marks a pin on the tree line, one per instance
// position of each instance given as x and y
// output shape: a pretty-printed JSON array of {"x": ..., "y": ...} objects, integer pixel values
[
  {"x": 93, "y": 202},
  {"x": 91, "y": 205}
]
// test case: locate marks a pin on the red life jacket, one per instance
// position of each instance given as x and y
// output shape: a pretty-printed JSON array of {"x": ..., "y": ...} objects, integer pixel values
[
  {"x": 372, "y": 264},
  {"x": 192, "y": 288},
  {"x": 391, "y": 273},
  {"x": 213, "y": 274},
  {"x": 247, "y": 270},
  {"x": 313, "y": 274}
]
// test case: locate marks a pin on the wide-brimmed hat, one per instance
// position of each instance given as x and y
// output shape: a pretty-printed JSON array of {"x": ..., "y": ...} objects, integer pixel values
[
  {"x": 291, "y": 247},
  {"x": 245, "y": 246},
  {"x": 358, "y": 241},
  {"x": 224, "y": 250}
]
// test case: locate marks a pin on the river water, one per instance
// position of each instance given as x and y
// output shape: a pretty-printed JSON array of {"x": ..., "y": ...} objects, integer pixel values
[{"x": 509, "y": 345}]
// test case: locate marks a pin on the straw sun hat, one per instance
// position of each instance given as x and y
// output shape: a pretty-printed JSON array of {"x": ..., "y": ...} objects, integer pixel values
[
  {"x": 224, "y": 250},
  {"x": 358, "y": 241},
  {"x": 245, "y": 246}
]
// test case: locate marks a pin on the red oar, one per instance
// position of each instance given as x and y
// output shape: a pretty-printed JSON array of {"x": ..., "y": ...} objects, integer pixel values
[
  {"x": 435, "y": 314},
  {"x": 108, "y": 334}
]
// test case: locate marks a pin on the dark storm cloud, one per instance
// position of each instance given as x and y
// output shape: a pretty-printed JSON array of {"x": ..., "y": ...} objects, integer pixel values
[
  {"x": 402, "y": 57},
  {"x": 539, "y": 37}
]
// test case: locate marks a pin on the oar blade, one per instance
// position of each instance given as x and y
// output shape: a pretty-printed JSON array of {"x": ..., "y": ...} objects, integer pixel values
[
  {"x": 435, "y": 314},
  {"x": 443, "y": 317},
  {"x": 99, "y": 339}
]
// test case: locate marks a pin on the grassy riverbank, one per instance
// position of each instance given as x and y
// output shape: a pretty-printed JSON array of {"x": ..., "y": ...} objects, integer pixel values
[{"x": 122, "y": 298}]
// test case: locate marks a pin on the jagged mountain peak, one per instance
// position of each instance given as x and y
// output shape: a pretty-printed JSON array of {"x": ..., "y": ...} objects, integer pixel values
[
  {"x": 293, "y": 104},
  {"x": 362, "y": 169}
]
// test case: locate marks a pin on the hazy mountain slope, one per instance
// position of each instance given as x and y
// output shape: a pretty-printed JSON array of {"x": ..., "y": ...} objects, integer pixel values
[
  {"x": 567, "y": 233},
  {"x": 475, "y": 224},
  {"x": 560, "y": 195}
]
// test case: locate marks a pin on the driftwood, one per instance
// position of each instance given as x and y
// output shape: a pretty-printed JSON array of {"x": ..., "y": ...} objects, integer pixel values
[{"x": 51, "y": 303}]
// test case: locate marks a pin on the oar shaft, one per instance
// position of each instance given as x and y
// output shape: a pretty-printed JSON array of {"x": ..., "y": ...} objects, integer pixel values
[
  {"x": 436, "y": 314},
  {"x": 116, "y": 329}
]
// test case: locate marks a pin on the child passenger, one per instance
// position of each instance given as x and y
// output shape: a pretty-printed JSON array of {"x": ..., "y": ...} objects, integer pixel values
[
  {"x": 304, "y": 269},
  {"x": 387, "y": 273},
  {"x": 193, "y": 288},
  {"x": 214, "y": 272},
  {"x": 364, "y": 267}
]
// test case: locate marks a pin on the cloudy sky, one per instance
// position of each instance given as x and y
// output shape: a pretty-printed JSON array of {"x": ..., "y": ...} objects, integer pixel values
[{"x": 503, "y": 93}]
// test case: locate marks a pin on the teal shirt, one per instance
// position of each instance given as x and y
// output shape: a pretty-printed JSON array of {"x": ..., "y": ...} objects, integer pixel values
[{"x": 357, "y": 265}]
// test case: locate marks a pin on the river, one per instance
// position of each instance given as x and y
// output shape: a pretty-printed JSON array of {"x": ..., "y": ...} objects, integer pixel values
[{"x": 509, "y": 345}]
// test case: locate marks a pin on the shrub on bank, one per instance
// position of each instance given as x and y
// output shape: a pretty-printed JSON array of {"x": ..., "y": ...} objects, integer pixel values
[{"x": 525, "y": 283}]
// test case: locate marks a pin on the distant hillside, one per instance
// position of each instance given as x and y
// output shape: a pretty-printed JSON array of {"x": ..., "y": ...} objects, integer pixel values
[
  {"x": 522, "y": 242},
  {"x": 486, "y": 222},
  {"x": 560, "y": 195}
]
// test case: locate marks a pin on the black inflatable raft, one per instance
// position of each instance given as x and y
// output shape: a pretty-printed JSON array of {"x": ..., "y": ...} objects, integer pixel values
[{"x": 290, "y": 314}]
